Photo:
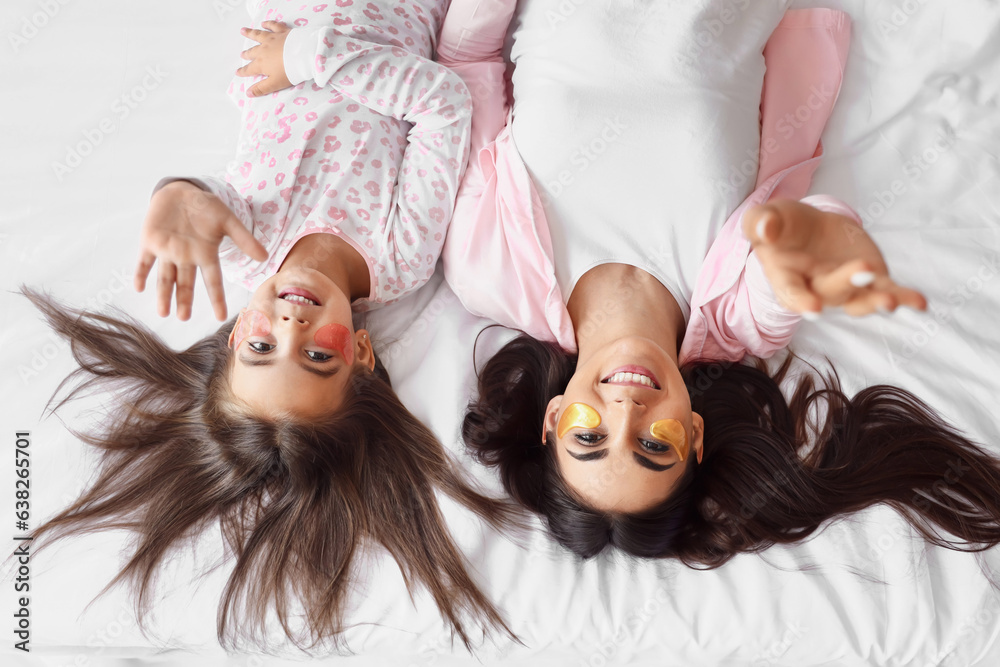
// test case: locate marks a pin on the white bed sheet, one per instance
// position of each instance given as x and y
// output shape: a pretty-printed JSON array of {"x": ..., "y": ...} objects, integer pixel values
[{"x": 918, "y": 70}]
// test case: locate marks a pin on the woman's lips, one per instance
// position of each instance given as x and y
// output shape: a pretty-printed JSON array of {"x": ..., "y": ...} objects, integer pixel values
[{"x": 635, "y": 370}]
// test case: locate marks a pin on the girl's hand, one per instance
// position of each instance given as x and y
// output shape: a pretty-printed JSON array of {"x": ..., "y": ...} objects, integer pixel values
[
  {"x": 813, "y": 259},
  {"x": 266, "y": 58},
  {"x": 183, "y": 229}
]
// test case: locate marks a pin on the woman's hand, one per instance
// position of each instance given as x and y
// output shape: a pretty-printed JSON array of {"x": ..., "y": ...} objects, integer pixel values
[
  {"x": 183, "y": 229},
  {"x": 267, "y": 58},
  {"x": 814, "y": 258}
]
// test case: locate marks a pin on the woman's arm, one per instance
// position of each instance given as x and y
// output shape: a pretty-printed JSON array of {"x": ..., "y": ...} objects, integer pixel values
[
  {"x": 815, "y": 253},
  {"x": 499, "y": 231}
]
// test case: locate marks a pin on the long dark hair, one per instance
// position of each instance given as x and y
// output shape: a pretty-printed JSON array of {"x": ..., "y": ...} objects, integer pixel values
[
  {"x": 773, "y": 470},
  {"x": 294, "y": 500}
]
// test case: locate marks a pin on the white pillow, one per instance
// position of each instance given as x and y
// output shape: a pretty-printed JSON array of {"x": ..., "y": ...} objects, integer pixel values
[{"x": 639, "y": 123}]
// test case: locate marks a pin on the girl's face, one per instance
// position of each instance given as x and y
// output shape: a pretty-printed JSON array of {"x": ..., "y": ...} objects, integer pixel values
[
  {"x": 294, "y": 346},
  {"x": 620, "y": 464}
]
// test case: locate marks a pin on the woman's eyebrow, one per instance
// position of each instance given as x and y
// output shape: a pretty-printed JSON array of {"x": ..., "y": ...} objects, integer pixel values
[
  {"x": 589, "y": 456},
  {"x": 646, "y": 463}
]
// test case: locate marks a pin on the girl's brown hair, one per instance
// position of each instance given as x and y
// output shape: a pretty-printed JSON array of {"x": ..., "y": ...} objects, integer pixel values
[
  {"x": 295, "y": 501},
  {"x": 772, "y": 472}
]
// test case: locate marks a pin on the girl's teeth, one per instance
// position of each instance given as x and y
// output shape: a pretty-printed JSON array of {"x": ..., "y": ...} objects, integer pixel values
[{"x": 294, "y": 298}]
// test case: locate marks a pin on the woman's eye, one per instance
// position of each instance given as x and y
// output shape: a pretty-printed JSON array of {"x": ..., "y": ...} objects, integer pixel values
[
  {"x": 317, "y": 356},
  {"x": 655, "y": 447},
  {"x": 261, "y": 348},
  {"x": 588, "y": 438}
]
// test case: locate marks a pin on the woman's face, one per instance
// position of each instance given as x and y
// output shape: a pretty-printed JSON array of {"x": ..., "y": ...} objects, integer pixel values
[
  {"x": 294, "y": 346},
  {"x": 619, "y": 465}
]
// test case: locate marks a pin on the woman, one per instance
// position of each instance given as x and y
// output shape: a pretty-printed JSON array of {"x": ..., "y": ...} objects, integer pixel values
[
  {"x": 625, "y": 417},
  {"x": 282, "y": 425}
]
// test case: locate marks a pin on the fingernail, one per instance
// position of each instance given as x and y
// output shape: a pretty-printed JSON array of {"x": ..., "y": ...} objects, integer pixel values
[
  {"x": 862, "y": 278},
  {"x": 761, "y": 228},
  {"x": 810, "y": 315}
]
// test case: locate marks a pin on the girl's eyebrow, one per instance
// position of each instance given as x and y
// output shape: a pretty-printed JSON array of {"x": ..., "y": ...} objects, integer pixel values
[{"x": 304, "y": 366}]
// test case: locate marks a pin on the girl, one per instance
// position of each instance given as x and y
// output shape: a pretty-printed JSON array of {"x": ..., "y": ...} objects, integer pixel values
[
  {"x": 282, "y": 425},
  {"x": 625, "y": 419}
]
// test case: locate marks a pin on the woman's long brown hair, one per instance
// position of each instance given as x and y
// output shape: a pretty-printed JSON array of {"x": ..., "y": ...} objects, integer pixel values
[
  {"x": 295, "y": 501},
  {"x": 771, "y": 472}
]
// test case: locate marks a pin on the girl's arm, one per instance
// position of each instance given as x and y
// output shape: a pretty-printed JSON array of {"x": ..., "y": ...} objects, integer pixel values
[{"x": 183, "y": 231}]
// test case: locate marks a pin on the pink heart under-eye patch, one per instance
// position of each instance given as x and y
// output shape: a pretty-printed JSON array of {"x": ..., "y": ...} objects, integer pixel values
[
  {"x": 249, "y": 323},
  {"x": 336, "y": 337}
]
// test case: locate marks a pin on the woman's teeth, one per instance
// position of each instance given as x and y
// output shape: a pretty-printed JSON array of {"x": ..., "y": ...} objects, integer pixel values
[
  {"x": 631, "y": 377},
  {"x": 295, "y": 298}
]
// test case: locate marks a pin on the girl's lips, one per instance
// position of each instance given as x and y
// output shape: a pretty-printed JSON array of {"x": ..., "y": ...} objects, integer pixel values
[
  {"x": 637, "y": 370},
  {"x": 298, "y": 291}
]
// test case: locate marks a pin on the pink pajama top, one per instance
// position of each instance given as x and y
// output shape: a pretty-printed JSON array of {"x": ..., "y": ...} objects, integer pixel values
[
  {"x": 499, "y": 256},
  {"x": 369, "y": 144}
]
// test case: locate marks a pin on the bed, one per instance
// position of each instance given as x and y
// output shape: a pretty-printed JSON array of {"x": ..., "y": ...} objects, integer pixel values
[{"x": 108, "y": 96}]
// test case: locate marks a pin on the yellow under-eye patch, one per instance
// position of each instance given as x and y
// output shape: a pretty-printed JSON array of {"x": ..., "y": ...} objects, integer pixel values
[
  {"x": 672, "y": 432},
  {"x": 578, "y": 415}
]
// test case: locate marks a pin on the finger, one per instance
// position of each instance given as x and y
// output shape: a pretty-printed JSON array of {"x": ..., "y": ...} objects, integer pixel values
[
  {"x": 844, "y": 282},
  {"x": 249, "y": 54},
  {"x": 275, "y": 26},
  {"x": 791, "y": 289},
  {"x": 166, "y": 276},
  {"x": 212, "y": 275},
  {"x": 244, "y": 239},
  {"x": 868, "y": 302},
  {"x": 785, "y": 224},
  {"x": 250, "y": 69},
  {"x": 258, "y": 89},
  {"x": 185, "y": 290},
  {"x": 911, "y": 298},
  {"x": 761, "y": 224},
  {"x": 142, "y": 269},
  {"x": 254, "y": 34}
]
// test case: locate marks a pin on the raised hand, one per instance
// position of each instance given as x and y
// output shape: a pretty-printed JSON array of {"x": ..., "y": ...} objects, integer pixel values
[
  {"x": 183, "y": 229},
  {"x": 267, "y": 58},
  {"x": 815, "y": 258}
]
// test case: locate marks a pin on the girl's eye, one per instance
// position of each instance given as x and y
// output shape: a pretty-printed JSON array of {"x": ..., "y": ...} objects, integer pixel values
[
  {"x": 317, "y": 356},
  {"x": 260, "y": 348},
  {"x": 655, "y": 447},
  {"x": 588, "y": 438}
]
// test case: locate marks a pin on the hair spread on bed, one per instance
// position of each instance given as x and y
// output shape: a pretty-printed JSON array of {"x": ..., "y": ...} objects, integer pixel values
[
  {"x": 295, "y": 501},
  {"x": 773, "y": 470}
]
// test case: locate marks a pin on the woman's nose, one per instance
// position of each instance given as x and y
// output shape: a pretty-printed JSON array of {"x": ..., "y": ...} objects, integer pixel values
[{"x": 286, "y": 318}]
